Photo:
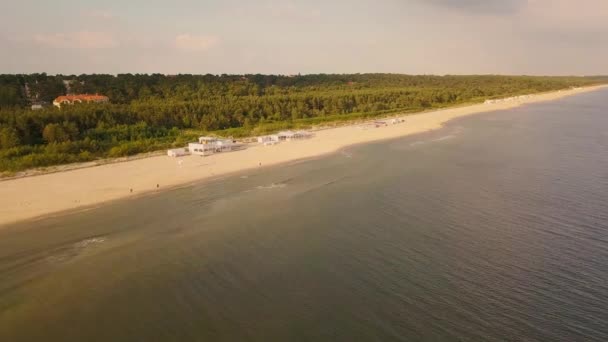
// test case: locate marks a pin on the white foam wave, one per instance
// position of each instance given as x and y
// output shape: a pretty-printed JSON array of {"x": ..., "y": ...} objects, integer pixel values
[
  {"x": 271, "y": 186},
  {"x": 89, "y": 242}
]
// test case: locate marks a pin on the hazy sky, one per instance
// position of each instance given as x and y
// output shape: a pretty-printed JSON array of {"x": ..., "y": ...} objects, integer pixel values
[{"x": 297, "y": 36}]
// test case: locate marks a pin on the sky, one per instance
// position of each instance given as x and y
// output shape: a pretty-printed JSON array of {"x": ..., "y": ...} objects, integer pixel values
[{"x": 534, "y": 37}]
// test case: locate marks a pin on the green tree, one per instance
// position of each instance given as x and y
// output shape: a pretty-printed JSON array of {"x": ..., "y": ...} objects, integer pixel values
[
  {"x": 54, "y": 133},
  {"x": 148, "y": 112},
  {"x": 8, "y": 137}
]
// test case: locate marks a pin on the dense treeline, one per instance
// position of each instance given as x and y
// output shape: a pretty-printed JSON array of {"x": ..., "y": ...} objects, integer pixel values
[{"x": 149, "y": 112}]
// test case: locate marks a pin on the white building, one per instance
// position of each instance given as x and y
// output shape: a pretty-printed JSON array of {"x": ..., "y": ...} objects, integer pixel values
[
  {"x": 291, "y": 135},
  {"x": 210, "y": 145},
  {"x": 177, "y": 152},
  {"x": 224, "y": 144},
  {"x": 284, "y": 136},
  {"x": 263, "y": 139},
  {"x": 201, "y": 149},
  {"x": 207, "y": 140},
  {"x": 274, "y": 138}
]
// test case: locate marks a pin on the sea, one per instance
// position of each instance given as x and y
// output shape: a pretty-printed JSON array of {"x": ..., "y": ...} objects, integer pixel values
[{"x": 493, "y": 228}]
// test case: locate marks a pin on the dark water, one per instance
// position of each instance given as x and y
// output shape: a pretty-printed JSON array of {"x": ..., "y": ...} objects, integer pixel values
[{"x": 494, "y": 228}]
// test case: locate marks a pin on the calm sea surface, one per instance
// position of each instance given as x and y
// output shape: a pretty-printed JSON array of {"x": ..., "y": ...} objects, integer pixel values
[{"x": 494, "y": 228}]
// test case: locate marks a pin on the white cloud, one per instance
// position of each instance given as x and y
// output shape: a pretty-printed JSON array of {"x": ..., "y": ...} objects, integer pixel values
[
  {"x": 77, "y": 40},
  {"x": 190, "y": 42}
]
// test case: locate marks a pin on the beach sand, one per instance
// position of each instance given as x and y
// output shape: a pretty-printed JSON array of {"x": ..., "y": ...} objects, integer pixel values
[{"x": 31, "y": 197}]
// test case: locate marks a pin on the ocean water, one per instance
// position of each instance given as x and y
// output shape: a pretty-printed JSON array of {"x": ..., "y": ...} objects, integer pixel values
[{"x": 494, "y": 228}]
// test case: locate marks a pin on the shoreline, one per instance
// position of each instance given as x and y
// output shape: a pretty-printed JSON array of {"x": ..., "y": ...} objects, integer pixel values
[{"x": 80, "y": 189}]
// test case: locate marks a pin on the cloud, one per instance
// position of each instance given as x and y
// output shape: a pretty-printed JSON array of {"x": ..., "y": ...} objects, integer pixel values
[
  {"x": 190, "y": 42},
  {"x": 493, "y": 7},
  {"x": 77, "y": 40}
]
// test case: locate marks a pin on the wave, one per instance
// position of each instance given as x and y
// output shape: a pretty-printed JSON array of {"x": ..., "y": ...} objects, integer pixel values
[
  {"x": 271, "y": 186},
  {"x": 67, "y": 253},
  {"x": 444, "y": 138}
]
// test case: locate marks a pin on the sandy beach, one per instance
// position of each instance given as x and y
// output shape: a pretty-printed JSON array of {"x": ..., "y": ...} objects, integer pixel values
[{"x": 31, "y": 197}]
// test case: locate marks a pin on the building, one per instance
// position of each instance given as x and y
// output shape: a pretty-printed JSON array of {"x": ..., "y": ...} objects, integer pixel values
[
  {"x": 214, "y": 140},
  {"x": 207, "y": 140},
  {"x": 268, "y": 139},
  {"x": 177, "y": 152},
  {"x": 210, "y": 145},
  {"x": 39, "y": 105},
  {"x": 293, "y": 135},
  {"x": 284, "y": 136},
  {"x": 86, "y": 98},
  {"x": 224, "y": 145},
  {"x": 201, "y": 149}
]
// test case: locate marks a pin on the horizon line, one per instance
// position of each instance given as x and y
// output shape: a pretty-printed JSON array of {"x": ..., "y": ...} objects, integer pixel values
[{"x": 294, "y": 75}]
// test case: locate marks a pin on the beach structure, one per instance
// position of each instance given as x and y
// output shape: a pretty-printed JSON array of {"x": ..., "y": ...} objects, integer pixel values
[
  {"x": 178, "y": 152},
  {"x": 217, "y": 144},
  {"x": 268, "y": 138},
  {"x": 284, "y": 136},
  {"x": 83, "y": 98},
  {"x": 210, "y": 145},
  {"x": 201, "y": 149},
  {"x": 293, "y": 135},
  {"x": 207, "y": 140},
  {"x": 225, "y": 145}
]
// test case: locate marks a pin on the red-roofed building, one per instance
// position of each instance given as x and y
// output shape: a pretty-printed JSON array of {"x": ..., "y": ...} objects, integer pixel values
[{"x": 71, "y": 99}]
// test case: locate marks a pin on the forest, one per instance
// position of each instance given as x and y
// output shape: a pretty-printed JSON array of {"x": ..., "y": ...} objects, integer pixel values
[{"x": 152, "y": 112}]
